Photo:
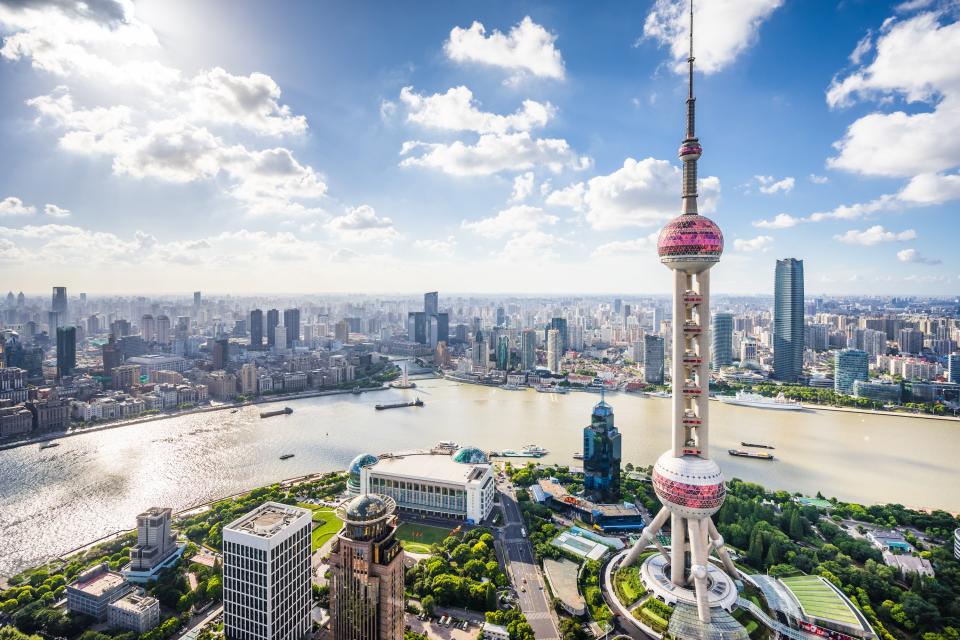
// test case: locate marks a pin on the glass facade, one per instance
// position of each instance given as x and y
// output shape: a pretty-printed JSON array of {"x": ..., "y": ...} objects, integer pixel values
[
  {"x": 788, "y": 334},
  {"x": 850, "y": 365},
  {"x": 722, "y": 351},
  {"x": 601, "y": 456},
  {"x": 410, "y": 494},
  {"x": 692, "y": 496}
]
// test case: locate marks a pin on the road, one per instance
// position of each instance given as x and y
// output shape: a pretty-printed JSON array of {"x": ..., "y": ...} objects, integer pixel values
[{"x": 522, "y": 571}]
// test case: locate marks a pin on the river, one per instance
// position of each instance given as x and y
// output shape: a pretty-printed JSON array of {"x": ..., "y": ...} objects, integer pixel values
[{"x": 54, "y": 500}]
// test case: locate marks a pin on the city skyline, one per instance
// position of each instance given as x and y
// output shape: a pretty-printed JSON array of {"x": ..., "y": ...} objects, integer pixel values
[{"x": 469, "y": 152}]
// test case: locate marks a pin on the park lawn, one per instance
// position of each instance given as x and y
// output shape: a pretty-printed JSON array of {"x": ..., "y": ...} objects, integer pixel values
[
  {"x": 326, "y": 524},
  {"x": 628, "y": 585},
  {"x": 418, "y": 538}
]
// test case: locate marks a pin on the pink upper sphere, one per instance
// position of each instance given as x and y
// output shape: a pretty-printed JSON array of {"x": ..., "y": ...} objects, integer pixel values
[{"x": 690, "y": 238}]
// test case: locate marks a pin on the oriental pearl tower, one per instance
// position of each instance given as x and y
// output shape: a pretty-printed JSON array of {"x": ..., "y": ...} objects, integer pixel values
[{"x": 688, "y": 482}]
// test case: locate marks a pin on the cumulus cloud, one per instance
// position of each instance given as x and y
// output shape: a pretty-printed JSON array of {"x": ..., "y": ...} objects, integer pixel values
[
  {"x": 815, "y": 179},
  {"x": 770, "y": 185},
  {"x": 11, "y": 206},
  {"x": 875, "y": 235},
  {"x": 178, "y": 127},
  {"x": 344, "y": 254},
  {"x": 571, "y": 197},
  {"x": 641, "y": 193},
  {"x": 724, "y": 29},
  {"x": 914, "y": 60},
  {"x": 527, "y": 50},
  {"x": 492, "y": 154},
  {"x": 637, "y": 246},
  {"x": 760, "y": 243},
  {"x": 54, "y": 211},
  {"x": 510, "y": 220},
  {"x": 522, "y": 187},
  {"x": 362, "y": 223},
  {"x": 929, "y": 188},
  {"x": 780, "y": 221},
  {"x": 457, "y": 110},
  {"x": 914, "y": 256}
]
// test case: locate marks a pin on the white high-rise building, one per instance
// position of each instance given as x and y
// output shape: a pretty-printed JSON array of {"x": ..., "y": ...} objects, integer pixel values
[
  {"x": 280, "y": 338},
  {"x": 553, "y": 350},
  {"x": 266, "y": 574}
]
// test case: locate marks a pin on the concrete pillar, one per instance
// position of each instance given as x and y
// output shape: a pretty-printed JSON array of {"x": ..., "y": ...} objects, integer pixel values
[
  {"x": 703, "y": 370},
  {"x": 680, "y": 279},
  {"x": 677, "y": 550},
  {"x": 649, "y": 534},
  {"x": 700, "y": 563}
]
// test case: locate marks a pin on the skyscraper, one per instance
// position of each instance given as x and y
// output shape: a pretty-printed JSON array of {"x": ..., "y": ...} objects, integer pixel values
[
  {"x": 66, "y": 351},
  {"x": 479, "y": 352},
  {"x": 291, "y": 320},
  {"x": 910, "y": 341},
  {"x": 221, "y": 353},
  {"x": 163, "y": 329},
  {"x": 266, "y": 574},
  {"x": 601, "y": 456},
  {"x": 653, "y": 358},
  {"x": 849, "y": 366},
  {"x": 560, "y": 324},
  {"x": 528, "y": 350},
  {"x": 367, "y": 599},
  {"x": 503, "y": 353},
  {"x": 273, "y": 320},
  {"x": 148, "y": 328},
  {"x": 59, "y": 303},
  {"x": 197, "y": 299},
  {"x": 431, "y": 303},
  {"x": 687, "y": 481},
  {"x": 553, "y": 350},
  {"x": 788, "y": 336},
  {"x": 722, "y": 340},
  {"x": 256, "y": 329},
  {"x": 953, "y": 368},
  {"x": 111, "y": 354}
]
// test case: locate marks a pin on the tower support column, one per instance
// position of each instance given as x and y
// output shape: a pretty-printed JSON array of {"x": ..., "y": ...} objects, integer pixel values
[{"x": 703, "y": 369}]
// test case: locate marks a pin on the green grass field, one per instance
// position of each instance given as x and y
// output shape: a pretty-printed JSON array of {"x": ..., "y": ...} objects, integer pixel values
[
  {"x": 327, "y": 524},
  {"x": 628, "y": 585},
  {"x": 417, "y": 538}
]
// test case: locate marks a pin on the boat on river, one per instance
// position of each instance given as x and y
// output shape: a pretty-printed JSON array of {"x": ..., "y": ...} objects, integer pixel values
[
  {"x": 758, "y": 455},
  {"x": 756, "y": 445},
  {"x": 747, "y": 399},
  {"x": 287, "y": 456},
  {"x": 49, "y": 445},
  {"x": 398, "y": 405},
  {"x": 529, "y": 451},
  {"x": 547, "y": 388},
  {"x": 280, "y": 412}
]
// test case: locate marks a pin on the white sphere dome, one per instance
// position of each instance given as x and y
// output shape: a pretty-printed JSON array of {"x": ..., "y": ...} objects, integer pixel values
[{"x": 689, "y": 486}]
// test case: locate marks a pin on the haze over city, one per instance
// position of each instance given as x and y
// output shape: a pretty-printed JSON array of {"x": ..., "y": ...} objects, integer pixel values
[{"x": 362, "y": 147}]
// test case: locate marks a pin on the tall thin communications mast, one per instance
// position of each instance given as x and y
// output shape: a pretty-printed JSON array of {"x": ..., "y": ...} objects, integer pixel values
[{"x": 688, "y": 482}]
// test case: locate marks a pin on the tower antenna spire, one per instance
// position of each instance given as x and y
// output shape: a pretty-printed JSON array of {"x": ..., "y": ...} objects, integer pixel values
[{"x": 690, "y": 149}]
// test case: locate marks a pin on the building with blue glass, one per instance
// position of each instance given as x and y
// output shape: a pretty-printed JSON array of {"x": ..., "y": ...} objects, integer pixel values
[
  {"x": 601, "y": 456},
  {"x": 850, "y": 365},
  {"x": 788, "y": 334},
  {"x": 722, "y": 341}
]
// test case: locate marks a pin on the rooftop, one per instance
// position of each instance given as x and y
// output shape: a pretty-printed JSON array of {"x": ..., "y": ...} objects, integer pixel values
[
  {"x": 98, "y": 583},
  {"x": 439, "y": 467},
  {"x": 267, "y": 520},
  {"x": 135, "y": 603},
  {"x": 818, "y": 599}
]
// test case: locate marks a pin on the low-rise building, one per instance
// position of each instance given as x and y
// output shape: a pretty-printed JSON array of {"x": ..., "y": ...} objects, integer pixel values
[
  {"x": 94, "y": 589},
  {"x": 458, "y": 486},
  {"x": 908, "y": 564},
  {"x": 495, "y": 632},
  {"x": 158, "y": 362},
  {"x": 878, "y": 391},
  {"x": 134, "y": 612},
  {"x": 15, "y": 421},
  {"x": 889, "y": 540},
  {"x": 52, "y": 413}
]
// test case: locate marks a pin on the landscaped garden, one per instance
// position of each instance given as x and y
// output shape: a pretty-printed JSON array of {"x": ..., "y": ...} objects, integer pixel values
[
  {"x": 628, "y": 585},
  {"x": 418, "y": 538}
]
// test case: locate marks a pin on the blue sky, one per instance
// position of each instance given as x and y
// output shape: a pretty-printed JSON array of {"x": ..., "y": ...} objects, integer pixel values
[{"x": 474, "y": 147}]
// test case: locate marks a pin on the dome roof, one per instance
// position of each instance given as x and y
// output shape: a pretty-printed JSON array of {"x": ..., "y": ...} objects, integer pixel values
[
  {"x": 689, "y": 485},
  {"x": 362, "y": 460},
  {"x": 470, "y": 455},
  {"x": 368, "y": 507},
  {"x": 690, "y": 242}
]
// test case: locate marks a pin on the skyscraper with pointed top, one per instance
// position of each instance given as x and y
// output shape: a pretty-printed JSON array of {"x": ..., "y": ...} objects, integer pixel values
[{"x": 688, "y": 482}]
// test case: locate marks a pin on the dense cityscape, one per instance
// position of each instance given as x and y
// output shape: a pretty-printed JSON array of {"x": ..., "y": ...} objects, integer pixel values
[{"x": 222, "y": 464}]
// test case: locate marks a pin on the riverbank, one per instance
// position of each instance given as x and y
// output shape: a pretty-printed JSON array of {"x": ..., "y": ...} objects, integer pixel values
[{"x": 79, "y": 431}]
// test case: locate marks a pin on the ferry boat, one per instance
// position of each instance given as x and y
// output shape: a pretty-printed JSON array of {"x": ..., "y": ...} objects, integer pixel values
[
  {"x": 660, "y": 394},
  {"x": 447, "y": 445},
  {"x": 512, "y": 387},
  {"x": 286, "y": 456},
  {"x": 578, "y": 456},
  {"x": 750, "y": 454},
  {"x": 529, "y": 451},
  {"x": 280, "y": 412},
  {"x": 756, "y": 445},
  {"x": 49, "y": 445},
  {"x": 747, "y": 399},
  {"x": 546, "y": 388},
  {"x": 397, "y": 405}
]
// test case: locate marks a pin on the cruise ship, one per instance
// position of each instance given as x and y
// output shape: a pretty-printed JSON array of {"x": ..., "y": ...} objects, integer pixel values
[
  {"x": 529, "y": 451},
  {"x": 746, "y": 399},
  {"x": 545, "y": 388}
]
